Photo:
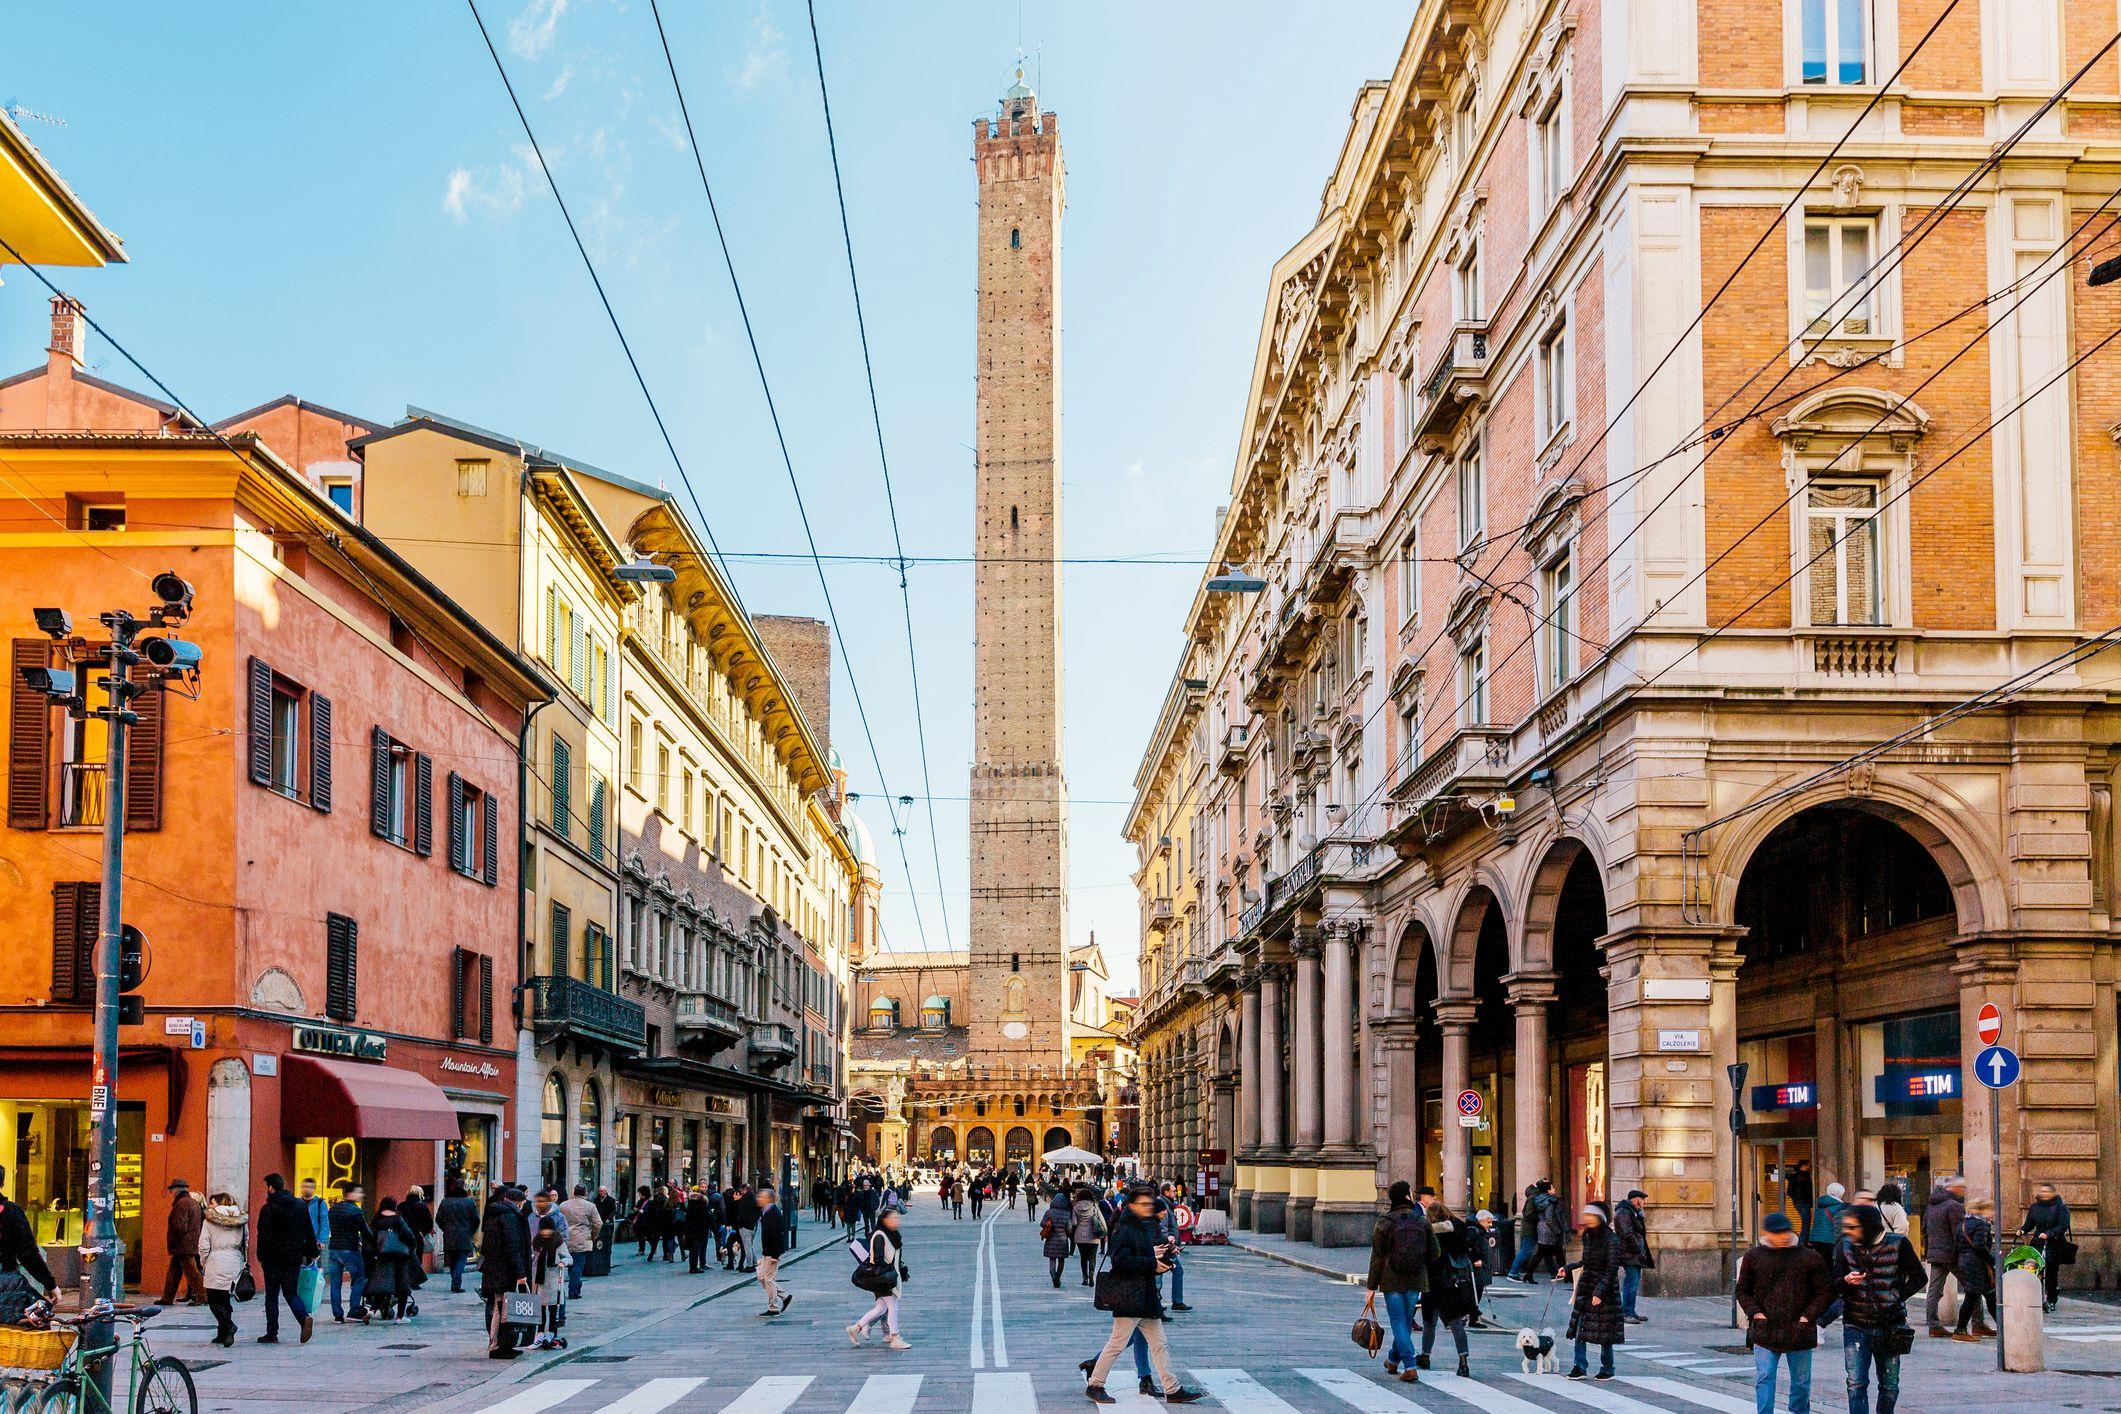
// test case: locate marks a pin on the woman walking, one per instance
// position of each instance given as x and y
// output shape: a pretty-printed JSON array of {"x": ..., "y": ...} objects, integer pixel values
[
  {"x": 1054, "y": 1234},
  {"x": 1977, "y": 1270},
  {"x": 390, "y": 1262},
  {"x": 887, "y": 1254},
  {"x": 957, "y": 1198},
  {"x": 458, "y": 1220},
  {"x": 224, "y": 1252},
  {"x": 2046, "y": 1227},
  {"x": 1138, "y": 1257},
  {"x": 979, "y": 1194},
  {"x": 1086, "y": 1229},
  {"x": 1450, "y": 1300},
  {"x": 1596, "y": 1306},
  {"x": 1892, "y": 1206}
]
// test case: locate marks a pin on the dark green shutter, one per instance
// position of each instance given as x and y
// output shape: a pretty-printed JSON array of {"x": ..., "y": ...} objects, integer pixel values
[
  {"x": 342, "y": 970},
  {"x": 320, "y": 752}
]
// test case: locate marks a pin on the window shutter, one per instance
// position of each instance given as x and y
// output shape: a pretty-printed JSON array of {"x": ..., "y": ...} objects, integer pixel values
[
  {"x": 578, "y": 653},
  {"x": 596, "y": 819},
  {"x": 562, "y": 925},
  {"x": 457, "y": 1029},
  {"x": 77, "y": 922},
  {"x": 143, "y": 761},
  {"x": 485, "y": 999},
  {"x": 490, "y": 817},
  {"x": 604, "y": 957},
  {"x": 29, "y": 739},
  {"x": 379, "y": 782},
  {"x": 423, "y": 804},
  {"x": 260, "y": 725},
  {"x": 611, "y": 705},
  {"x": 320, "y": 752},
  {"x": 562, "y": 773},
  {"x": 552, "y": 626},
  {"x": 342, "y": 946},
  {"x": 459, "y": 847}
]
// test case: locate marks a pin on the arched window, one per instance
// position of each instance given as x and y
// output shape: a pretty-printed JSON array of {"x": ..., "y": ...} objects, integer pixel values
[
  {"x": 883, "y": 1014},
  {"x": 552, "y": 1131},
  {"x": 1016, "y": 238},
  {"x": 942, "y": 1143},
  {"x": 589, "y": 1136},
  {"x": 1017, "y": 1147},
  {"x": 935, "y": 1012},
  {"x": 979, "y": 1145},
  {"x": 1056, "y": 1138}
]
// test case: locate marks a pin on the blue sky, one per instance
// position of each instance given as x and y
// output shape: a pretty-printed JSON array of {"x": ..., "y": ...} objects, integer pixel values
[{"x": 334, "y": 201}]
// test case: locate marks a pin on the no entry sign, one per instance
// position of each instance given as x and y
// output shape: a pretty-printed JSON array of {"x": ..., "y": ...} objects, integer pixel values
[{"x": 1989, "y": 1023}]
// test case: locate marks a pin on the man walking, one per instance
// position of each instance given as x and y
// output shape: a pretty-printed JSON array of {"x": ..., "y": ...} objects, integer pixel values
[
  {"x": 1167, "y": 1220},
  {"x": 1941, "y": 1222},
  {"x": 1875, "y": 1272},
  {"x": 1631, "y": 1237},
  {"x": 286, "y": 1244},
  {"x": 584, "y": 1225},
  {"x": 504, "y": 1266},
  {"x": 186, "y": 1218},
  {"x": 346, "y": 1246},
  {"x": 1783, "y": 1289},
  {"x": 1400, "y": 1246},
  {"x": 773, "y": 1242}
]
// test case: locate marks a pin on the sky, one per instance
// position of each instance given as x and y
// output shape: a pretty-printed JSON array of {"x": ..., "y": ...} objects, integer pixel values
[{"x": 338, "y": 202}]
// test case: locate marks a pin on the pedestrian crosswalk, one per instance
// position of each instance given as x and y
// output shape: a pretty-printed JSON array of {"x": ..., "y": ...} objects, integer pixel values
[
  {"x": 2085, "y": 1335},
  {"x": 1275, "y": 1390}
]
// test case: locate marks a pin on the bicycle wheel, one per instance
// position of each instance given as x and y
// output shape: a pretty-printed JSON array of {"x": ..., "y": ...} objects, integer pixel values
[
  {"x": 54, "y": 1397},
  {"x": 165, "y": 1387}
]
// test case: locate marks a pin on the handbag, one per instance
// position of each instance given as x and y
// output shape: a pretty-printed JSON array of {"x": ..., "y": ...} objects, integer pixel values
[
  {"x": 17, "y": 1293},
  {"x": 1366, "y": 1332},
  {"x": 392, "y": 1244},
  {"x": 519, "y": 1308},
  {"x": 246, "y": 1288},
  {"x": 1121, "y": 1294},
  {"x": 1897, "y": 1340}
]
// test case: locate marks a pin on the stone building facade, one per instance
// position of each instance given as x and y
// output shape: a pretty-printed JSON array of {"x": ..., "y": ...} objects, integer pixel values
[{"x": 1618, "y": 459}]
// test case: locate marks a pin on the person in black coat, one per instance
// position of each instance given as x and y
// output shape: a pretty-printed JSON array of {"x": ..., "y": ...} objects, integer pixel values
[
  {"x": 1450, "y": 1299},
  {"x": 1977, "y": 1270},
  {"x": 419, "y": 1215},
  {"x": 504, "y": 1266},
  {"x": 1631, "y": 1248},
  {"x": 699, "y": 1230},
  {"x": 2046, "y": 1227},
  {"x": 647, "y": 1220},
  {"x": 458, "y": 1221},
  {"x": 1784, "y": 1290},
  {"x": 1875, "y": 1272},
  {"x": 1138, "y": 1255},
  {"x": 392, "y": 1249},
  {"x": 287, "y": 1242},
  {"x": 1596, "y": 1318}
]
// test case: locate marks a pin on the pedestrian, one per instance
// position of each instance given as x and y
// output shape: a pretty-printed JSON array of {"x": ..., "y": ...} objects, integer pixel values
[
  {"x": 1167, "y": 1217},
  {"x": 392, "y": 1251},
  {"x": 1527, "y": 1232},
  {"x": 1595, "y": 1309},
  {"x": 1977, "y": 1271},
  {"x": 585, "y": 1226},
  {"x": 1482, "y": 1238},
  {"x": 224, "y": 1251},
  {"x": 1086, "y": 1229},
  {"x": 744, "y": 1224},
  {"x": 549, "y": 1260},
  {"x": 1875, "y": 1273},
  {"x": 1940, "y": 1245},
  {"x": 504, "y": 1266},
  {"x": 887, "y": 1254},
  {"x": 2046, "y": 1227},
  {"x": 699, "y": 1230},
  {"x": 1631, "y": 1246},
  {"x": 1138, "y": 1256},
  {"x": 1055, "y": 1233},
  {"x": 458, "y": 1220},
  {"x": 286, "y": 1244},
  {"x": 957, "y": 1198},
  {"x": 1399, "y": 1272},
  {"x": 1450, "y": 1300},
  {"x": 1826, "y": 1219},
  {"x": 773, "y": 1245},
  {"x": 644, "y": 1200},
  {"x": 1892, "y": 1206},
  {"x": 979, "y": 1194},
  {"x": 345, "y": 1252},
  {"x": 419, "y": 1215},
  {"x": 186, "y": 1217},
  {"x": 1784, "y": 1290}
]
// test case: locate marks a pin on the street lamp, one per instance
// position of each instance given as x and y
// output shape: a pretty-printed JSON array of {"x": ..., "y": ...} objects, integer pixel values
[
  {"x": 644, "y": 572},
  {"x": 1231, "y": 581},
  {"x": 2105, "y": 272}
]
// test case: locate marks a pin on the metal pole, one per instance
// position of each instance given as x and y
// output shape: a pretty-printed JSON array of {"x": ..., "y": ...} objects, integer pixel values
[
  {"x": 103, "y": 1279},
  {"x": 1995, "y": 1188},
  {"x": 1736, "y": 1072}
]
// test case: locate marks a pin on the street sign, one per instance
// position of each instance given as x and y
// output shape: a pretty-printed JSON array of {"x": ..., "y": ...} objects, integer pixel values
[
  {"x": 1997, "y": 1067},
  {"x": 1470, "y": 1103},
  {"x": 1469, "y": 1121},
  {"x": 1989, "y": 1023}
]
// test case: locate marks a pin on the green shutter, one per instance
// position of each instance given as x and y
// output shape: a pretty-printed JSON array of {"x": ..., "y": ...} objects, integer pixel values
[
  {"x": 562, "y": 770},
  {"x": 552, "y": 627},
  {"x": 562, "y": 926},
  {"x": 596, "y": 819},
  {"x": 578, "y": 655}
]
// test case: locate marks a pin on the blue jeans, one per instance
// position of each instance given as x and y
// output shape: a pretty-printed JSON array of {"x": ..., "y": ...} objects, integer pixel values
[
  {"x": 1399, "y": 1311},
  {"x": 1527, "y": 1249},
  {"x": 1605, "y": 1358},
  {"x": 1859, "y": 1353},
  {"x": 574, "y": 1275},
  {"x": 1630, "y": 1289},
  {"x": 349, "y": 1261},
  {"x": 456, "y": 1259},
  {"x": 1800, "y": 1363},
  {"x": 1178, "y": 1287}
]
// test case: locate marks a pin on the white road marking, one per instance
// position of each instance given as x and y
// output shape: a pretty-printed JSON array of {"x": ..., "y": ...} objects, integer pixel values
[
  {"x": 1241, "y": 1394},
  {"x": 1691, "y": 1360},
  {"x": 979, "y": 1296},
  {"x": 542, "y": 1395},
  {"x": 1478, "y": 1395},
  {"x": 994, "y": 1297},
  {"x": 2084, "y": 1330},
  {"x": 1722, "y": 1370},
  {"x": 1597, "y": 1396},
  {"x": 1706, "y": 1399},
  {"x": 2082, "y": 1338},
  {"x": 1365, "y": 1394},
  {"x": 887, "y": 1394},
  {"x": 1006, "y": 1393},
  {"x": 770, "y": 1395},
  {"x": 652, "y": 1396}
]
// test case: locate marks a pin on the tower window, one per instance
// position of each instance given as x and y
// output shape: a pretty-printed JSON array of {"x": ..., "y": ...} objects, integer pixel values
[
  {"x": 1016, "y": 239},
  {"x": 1016, "y": 962},
  {"x": 1012, "y": 517}
]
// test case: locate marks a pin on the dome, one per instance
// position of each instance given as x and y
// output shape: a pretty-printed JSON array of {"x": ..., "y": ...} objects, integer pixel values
[
  {"x": 935, "y": 1003},
  {"x": 860, "y": 841}
]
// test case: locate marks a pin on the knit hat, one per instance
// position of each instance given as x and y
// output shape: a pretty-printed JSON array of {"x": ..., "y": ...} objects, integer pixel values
[{"x": 1776, "y": 1222}]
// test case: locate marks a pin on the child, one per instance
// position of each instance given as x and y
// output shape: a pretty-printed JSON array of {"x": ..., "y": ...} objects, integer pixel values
[{"x": 549, "y": 1260}]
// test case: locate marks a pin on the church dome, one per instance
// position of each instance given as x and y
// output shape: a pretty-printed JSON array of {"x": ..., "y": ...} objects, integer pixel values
[{"x": 860, "y": 840}]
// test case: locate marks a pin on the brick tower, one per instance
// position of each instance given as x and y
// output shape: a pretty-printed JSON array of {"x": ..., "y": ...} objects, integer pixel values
[{"x": 1019, "y": 953}]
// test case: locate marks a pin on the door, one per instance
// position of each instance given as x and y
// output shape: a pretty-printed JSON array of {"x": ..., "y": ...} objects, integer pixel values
[{"x": 1782, "y": 1181}]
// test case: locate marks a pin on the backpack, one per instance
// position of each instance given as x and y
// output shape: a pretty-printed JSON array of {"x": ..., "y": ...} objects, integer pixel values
[{"x": 1409, "y": 1255}]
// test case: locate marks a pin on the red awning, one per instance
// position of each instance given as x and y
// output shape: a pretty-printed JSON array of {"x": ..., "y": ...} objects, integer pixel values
[{"x": 346, "y": 1098}]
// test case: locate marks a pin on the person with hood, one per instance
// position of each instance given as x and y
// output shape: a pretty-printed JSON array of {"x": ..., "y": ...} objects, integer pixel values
[
  {"x": 1595, "y": 1309},
  {"x": 224, "y": 1251},
  {"x": 1631, "y": 1246},
  {"x": 286, "y": 1244},
  {"x": 504, "y": 1266},
  {"x": 1875, "y": 1272},
  {"x": 186, "y": 1217},
  {"x": 1400, "y": 1246},
  {"x": 1450, "y": 1299},
  {"x": 1138, "y": 1257},
  {"x": 458, "y": 1221},
  {"x": 1055, "y": 1234},
  {"x": 887, "y": 1253},
  {"x": 1784, "y": 1290},
  {"x": 393, "y": 1249},
  {"x": 1826, "y": 1219},
  {"x": 1977, "y": 1271},
  {"x": 1940, "y": 1244},
  {"x": 549, "y": 1260},
  {"x": 345, "y": 1243},
  {"x": 585, "y": 1226},
  {"x": 1086, "y": 1229},
  {"x": 2046, "y": 1227}
]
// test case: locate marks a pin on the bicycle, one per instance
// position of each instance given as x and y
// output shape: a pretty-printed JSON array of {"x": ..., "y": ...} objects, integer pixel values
[{"x": 157, "y": 1384}]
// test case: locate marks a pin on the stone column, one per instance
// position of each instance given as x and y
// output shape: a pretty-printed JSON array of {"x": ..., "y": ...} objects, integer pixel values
[
  {"x": 1339, "y": 1042},
  {"x": 1305, "y": 1081},
  {"x": 1271, "y": 1180},
  {"x": 1456, "y": 1019},
  {"x": 1248, "y": 1091},
  {"x": 1530, "y": 995},
  {"x": 1400, "y": 1153}
]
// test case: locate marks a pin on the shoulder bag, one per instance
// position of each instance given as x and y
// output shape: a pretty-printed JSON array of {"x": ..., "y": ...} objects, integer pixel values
[
  {"x": 1367, "y": 1333},
  {"x": 246, "y": 1284},
  {"x": 1121, "y": 1294}
]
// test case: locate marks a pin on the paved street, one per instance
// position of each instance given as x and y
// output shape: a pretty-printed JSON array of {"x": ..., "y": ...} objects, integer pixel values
[{"x": 990, "y": 1335}]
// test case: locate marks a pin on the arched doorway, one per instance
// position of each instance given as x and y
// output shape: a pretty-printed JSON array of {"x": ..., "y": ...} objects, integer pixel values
[
  {"x": 1016, "y": 1146},
  {"x": 979, "y": 1145},
  {"x": 1413, "y": 1055},
  {"x": 589, "y": 1137},
  {"x": 1571, "y": 1101},
  {"x": 942, "y": 1144},
  {"x": 1491, "y": 1066},
  {"x": 552, "y": 1132},
  {"x": 1225, "y": 1135},
  {"x": 1848, "y": 1009},
  {"x": 1056, "y": 1138}
]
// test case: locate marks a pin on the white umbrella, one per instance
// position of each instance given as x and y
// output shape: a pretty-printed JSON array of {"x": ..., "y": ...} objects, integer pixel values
[{"x": 1069, "y": 1154}]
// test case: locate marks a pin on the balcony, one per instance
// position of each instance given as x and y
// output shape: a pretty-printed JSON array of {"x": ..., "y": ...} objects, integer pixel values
[
  {"x": 1456, "y": 381},
  {"x": 1221, "y": 966},
  {"x": 1160, "y": 916},
  {"x": 708, "y": 1020},
  {"x": 1473, "y": 758},
  {"x": 772, "y": 1044},
  {"x": 582, "y": 1011},
  {"x": 1294, "y": 629},
  {"x": 81, "y": 792},
  {"x": 1248, "y": 921},
  {"x": 1294, "y": 881},
  {"x": 1235, "y": 740},
  {"x": 1262, "y": 693},
  {"x": 1332, "y": 566}
]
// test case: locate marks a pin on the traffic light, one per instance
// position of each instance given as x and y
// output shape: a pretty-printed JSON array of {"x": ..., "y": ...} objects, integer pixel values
[{"x": 132, "y": 958}]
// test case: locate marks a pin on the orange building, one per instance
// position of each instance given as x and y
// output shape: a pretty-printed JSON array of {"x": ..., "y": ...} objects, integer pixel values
[{"x": 322, "y": 843}]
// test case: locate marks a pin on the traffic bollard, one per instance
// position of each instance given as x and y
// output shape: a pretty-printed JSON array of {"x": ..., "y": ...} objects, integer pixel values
[{"x": 2024, "y": 1326}]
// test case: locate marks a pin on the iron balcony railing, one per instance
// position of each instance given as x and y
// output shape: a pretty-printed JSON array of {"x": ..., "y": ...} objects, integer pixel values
[
  {"x": 576, "y": 1008},
  {"x": 82, "y": 786}
]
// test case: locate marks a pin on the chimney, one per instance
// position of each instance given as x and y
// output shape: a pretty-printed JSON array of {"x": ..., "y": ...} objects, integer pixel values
[{"x": 69, "y": 330}]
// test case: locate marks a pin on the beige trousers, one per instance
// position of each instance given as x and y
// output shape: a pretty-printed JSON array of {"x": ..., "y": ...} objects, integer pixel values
[
  {"x": 1123, "y": 1331},
  {"x": 768, "y": 1266}
]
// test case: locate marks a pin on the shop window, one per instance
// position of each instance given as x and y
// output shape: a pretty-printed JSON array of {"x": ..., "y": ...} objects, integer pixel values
[
  {"x": 474, "y": 831},
  {"x": 1911, "y": 1066},
  {"x": 342, "y": 947},
  {"x": 589, "y": 1130},
  {"x": 552, "y": 1133},
  {"x": 401, "y": 796},
  {"x": 45, "y": 1148}
]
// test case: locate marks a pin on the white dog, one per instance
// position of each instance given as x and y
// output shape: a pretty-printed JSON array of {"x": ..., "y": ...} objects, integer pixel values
[{"x": 1537, "y": 1348}]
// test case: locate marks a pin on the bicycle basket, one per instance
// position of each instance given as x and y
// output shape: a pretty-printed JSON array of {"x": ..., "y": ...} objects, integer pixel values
[{"x": 25, "y": 1349}]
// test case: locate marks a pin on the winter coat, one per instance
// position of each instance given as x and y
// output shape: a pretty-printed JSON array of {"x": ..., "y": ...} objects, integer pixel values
[
  {"x": 347, "y": 1226},
  {"x": 1895, "y": 1218},
  {"x": 1940, "y": 1228},
  {"x": 504, "y": 1258},
  {"x": 18, "y": 1246},
  {"x": 285, "y": 1238},
  {"x": 1086, "y": 1224},
  {"x": 186, "y": 1217},
  {"x": 1451, "y": 1295},
  {"x": 1826, "y": 1219},
  {"x": 1551, "y": 1228},
  {"x": 1977, "y": 1267},
  {"x": 1384, "y": 1277},
  {"x": 418, "y": 1216},
  {"x": 222, "y": 1234},
  {"x": 773, "y": 1231},
  {"x": 584, "y": 1223},
  {"x": 458, "y": 1220},
  {"x": 1631, "y": 1238},
  {"x": 389, "y": 1225},
  {"x": 1058, "y": 1223},
  {"x": 2046, "y": 1221},
  {"x": 1132, "y": 1252},
  {"x": 699, "y": 1221},
  {"x": 1783, "y": 1286},
  {"x": 1597, "y": 1275},
  {"x": 1891, "y": 1273}
]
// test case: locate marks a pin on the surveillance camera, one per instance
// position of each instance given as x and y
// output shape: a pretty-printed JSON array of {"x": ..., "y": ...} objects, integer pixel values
[
  {"x": 52, "y": 682},
  {"x": 174, "y": 592},
  {"x": 54, "y": 623},
  {"x": 171, "y": 654}
]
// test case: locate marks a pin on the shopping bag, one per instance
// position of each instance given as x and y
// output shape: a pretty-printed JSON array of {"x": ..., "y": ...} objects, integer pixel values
[
  {"x": 519, "y": 1308},
  {"x": 310, "y": 1287}
]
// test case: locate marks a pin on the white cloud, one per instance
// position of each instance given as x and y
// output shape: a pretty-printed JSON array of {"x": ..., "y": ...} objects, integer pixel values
[
  {"x": 531, "y": 33},
  {"x": 489, "y": 191},
  {"x": 765, "y": 52},
  {"x": 1135, "y": 471},
  {"x": 559, "y": 82}
]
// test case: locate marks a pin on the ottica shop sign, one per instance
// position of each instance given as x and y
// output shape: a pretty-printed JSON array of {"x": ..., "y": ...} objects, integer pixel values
[
  {"x": 1797, "y": 1095},
  {"x": 1911, "y": 1087},
  {"x": 331, "y": 1041}
]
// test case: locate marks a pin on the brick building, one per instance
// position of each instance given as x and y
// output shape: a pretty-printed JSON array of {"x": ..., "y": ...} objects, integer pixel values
[{"x": 1617, "y": 458}]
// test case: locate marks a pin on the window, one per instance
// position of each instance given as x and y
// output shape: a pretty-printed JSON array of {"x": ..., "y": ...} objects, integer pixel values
[
  {"x": 1473, "y": 683},
  {"x": 471, "y": 995},
  {"x": 1406, "y": 390},
  {"x": 287, "y": 753},
  {"x": 1553, "y": 382},
  {"x": 1838, "y": 295},
  {"x": 1550, "y": 156},
  {"x": 1835, "y": 35},
  {"x": 1472, "y": 501},
  {"x": 77, "y": 924},
  {"x": 1558, "y": 589},
  {"x": 97, "y": 515},
  {"x": 1409, "y": 733},
  {"x": 1841, "y": 547},
  {"x": 1465, "y": 286},
  {"x": 1403, "y": 264},
  {"x": 662, "y": 778},
  {"x": 562, "y": 787},
  {"x": 474, "y": 830},
  {"x": 286, "y": 737},
  {"x": 1016, "y": 238},
  {"x": 1466, "y": 126},
  {"x": 685, "y": 799},
  {"x": 339, "y": 491},
  {"x": 635, "y": 764},
  {"x": 471, "y": 476},
  {"x": 401, "y": 806},
  {"x": 342, "y": 946}
]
